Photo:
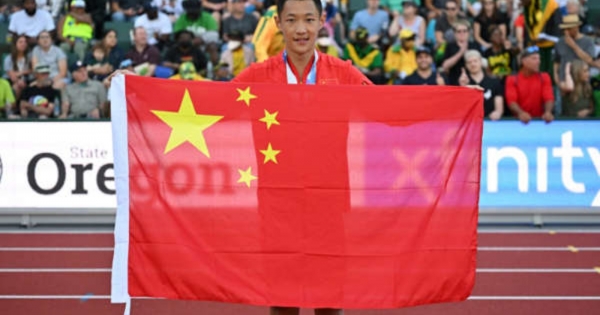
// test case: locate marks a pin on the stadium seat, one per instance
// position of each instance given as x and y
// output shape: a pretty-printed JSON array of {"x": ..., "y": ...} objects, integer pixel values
[
  {"x": 124, "y": 33},
  {"x": 4, "y": 44},
  {"x": 593, "y": 12}
]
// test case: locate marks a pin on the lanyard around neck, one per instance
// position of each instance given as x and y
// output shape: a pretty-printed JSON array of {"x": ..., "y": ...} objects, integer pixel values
[{"x": 312, "y": 75}]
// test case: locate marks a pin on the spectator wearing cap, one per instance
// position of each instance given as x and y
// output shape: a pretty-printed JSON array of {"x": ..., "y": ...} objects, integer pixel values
[
  {"x": 145, "y": 57},
  {"x": 365, "y": 56},
  {"x": 400, "y": 59},
  {"x": 493, "y": 101},
  {"x": 48, "y": 54},
  {"x": 409, "y": 19},
  {"x": 183, "y": 51},
  {"x": 31, "y": 22},
  {"x": 373, "y": 19},
  {"x": 455, "y": 51},
  {"x": 326, "y": 44},
  {"x": 200, "y": 23},
  {"x": 564, "y": 52},
  {"x": 7, "y": 99},
  {"x": 157, "y": 25},
  {"x": 37, "y": 100},
  {"x": 187, "y": 71},
  {"x": 240, "y": 20},
  {"x": 529, "y": 92},
  {"x": 237, "y": 55},
  {"x": 425, "y": 74},
  {"x": 84, "y": 98},
  {"x": 75, "y": 29},
  {"x": 126, "y": 10}
]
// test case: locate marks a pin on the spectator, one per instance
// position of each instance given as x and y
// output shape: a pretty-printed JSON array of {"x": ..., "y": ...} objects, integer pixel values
[
  {"x": 221, "y": 73},
  {"x": 493, "y": 101},
  {"x": 425, "y": 74},
  {"x": 577, "y": 97},
  {"x": 200, "y": 23},
  {"x": 237, "y": 55},
  {"x": 37, "y": 99},
  {"x": 409, "y": 20},
  {"x": 187, "y": 71},
  {"x": 183, "y": 51},
  {"x": 325, "y": 43},
  {"x": 489, "y": 17},
  {"x": 54, "y": 7},
  {"x": 7, "y": 8},
  {"x": 542, "y": 19},
  {"x": 396, "y": 8},
  {"x": 519, "y": 29},
  {"x": 145, "y": 57},
  {"x": 30, "y": 22},
  {"x": 444, "y": 23},
  {"x": 7, "y": 99},
  {"x": 334, "y": 20},
  {"x": 215, "y": 7},
  {"x": 400, "y": 59},
  {"x": 98, "y": 65},
  {"x": 366, "y": 57},
  {"x": 75, "y": 30},
  {"x": 157, "y": 26},
  {"x": 455, "y": 51},
  {"x": 84, "y": 98},
  {"x": 97, "y": 10},
  {"x": 564, "y": 53},
  {"x": 45, "y": 53},
  {"x": 172, "y": 8},
  {"x": 18, "y": 65},
  {"x": 239, "y": 20},
  {"x": 435, "y": 8},
  {"x": 126, "y": 10},
  {"x": 375, "y": 20},
  {"x": 498, "y": 56},
  {"x": 267, "y": 38},
  {"x": 112, "y": 52},
  {"x": 529, "y": 92}
]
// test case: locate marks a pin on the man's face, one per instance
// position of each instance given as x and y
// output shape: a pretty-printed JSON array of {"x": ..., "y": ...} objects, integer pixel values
[
  {"x": 140, "y": 37},
  {"x": 42, "y": 79},
  {"x": 424, "y": 61},
  {"x": 531, "y": 62},
  {"x": 238, "y": 6},
  {"x": 78, "y": 10},
  {"x": 496, "y": 37},
  {"x": 184, "y": 39},
  {"x": 461, "y": 33},
  {"x": 299, "y": 23},
  {"x": 573, "y": 31},
  {"x": 80, "y": 75},
  {"x": 30, "y": 7},
  {"x": 451, "y": 9},
  {"x": 373, "y": 4},
  {"x": 152, "y": 14},
  {"x": 44, "y": 40}
]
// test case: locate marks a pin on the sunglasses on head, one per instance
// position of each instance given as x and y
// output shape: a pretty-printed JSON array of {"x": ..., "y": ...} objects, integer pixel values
[{"x": 532, "y": 49}]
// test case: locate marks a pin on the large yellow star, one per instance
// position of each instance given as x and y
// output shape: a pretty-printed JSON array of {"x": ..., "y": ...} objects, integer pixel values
[
  {"x": 270, "y": 154},
  {"x": 186, "y": 125},
  {"x": 246, "y": 96},
  {"x": 270, "y": 119},
  {"x": 246, "y": 176}
]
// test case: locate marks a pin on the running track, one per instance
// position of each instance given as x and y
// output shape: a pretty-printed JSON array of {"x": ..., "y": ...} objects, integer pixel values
[{"x": 518, "y": 272}]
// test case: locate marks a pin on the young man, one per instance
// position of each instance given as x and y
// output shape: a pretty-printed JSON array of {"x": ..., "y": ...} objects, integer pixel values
[
  {"x": 300, "y": 21},
  {"x": 300, "y": 63}
]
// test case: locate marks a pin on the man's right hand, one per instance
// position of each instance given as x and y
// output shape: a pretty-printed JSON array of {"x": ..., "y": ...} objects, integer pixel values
[{"x": 524, "y": 117}]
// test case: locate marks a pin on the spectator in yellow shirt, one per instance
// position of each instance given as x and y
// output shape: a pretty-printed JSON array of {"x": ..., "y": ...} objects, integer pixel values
[
  {"x": 267, "y": 39},
  {"x": 187, "y": 71},
  {"x": 401, "y": 59}
]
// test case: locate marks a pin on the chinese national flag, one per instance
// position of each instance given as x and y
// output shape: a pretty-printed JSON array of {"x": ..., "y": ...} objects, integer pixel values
[{"x": 292, "y": 195}]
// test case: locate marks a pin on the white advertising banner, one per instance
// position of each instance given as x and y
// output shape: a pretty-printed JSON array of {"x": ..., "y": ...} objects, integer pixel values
[{"x": 56, "y": 165}]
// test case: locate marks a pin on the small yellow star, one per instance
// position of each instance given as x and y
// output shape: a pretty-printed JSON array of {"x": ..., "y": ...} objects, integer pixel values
[
  {"x": 187, "y": 125},
  {"x": 270, "y": 154},
  {"x": 270, "y": 119},
  {"x": 245, "y": 96},
  {"x": 246, "y": 176}
]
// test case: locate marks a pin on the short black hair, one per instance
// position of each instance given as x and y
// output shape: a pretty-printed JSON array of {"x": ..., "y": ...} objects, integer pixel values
[{"x": 281, "y": 3}]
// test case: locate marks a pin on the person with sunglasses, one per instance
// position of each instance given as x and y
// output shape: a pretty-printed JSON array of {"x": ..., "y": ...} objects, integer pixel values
[
  {"x": 529, "y": 93},
  {"x": 455, "y": 51},
  {"x": 445, "y": 21}
]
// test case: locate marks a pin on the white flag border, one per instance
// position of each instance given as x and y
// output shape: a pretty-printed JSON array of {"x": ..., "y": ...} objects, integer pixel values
[{"x": 119, "y": 283}]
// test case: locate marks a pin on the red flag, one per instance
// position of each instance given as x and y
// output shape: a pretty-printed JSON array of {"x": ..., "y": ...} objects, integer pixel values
[{"x": 285, "y": 195}]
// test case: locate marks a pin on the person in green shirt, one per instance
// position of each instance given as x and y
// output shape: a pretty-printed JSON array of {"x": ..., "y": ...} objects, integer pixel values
[
  {"x": 366, "y": 57},
  {"x": 7, "y": 99},
  {"x": 199, "y": 22}
]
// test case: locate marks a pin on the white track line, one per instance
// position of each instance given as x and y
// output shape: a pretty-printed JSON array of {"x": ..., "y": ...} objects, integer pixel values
[
  {"x": 472, "y": 298},
  {"x": 56, "y": 249},
  {"x": 479, "y": 270}
]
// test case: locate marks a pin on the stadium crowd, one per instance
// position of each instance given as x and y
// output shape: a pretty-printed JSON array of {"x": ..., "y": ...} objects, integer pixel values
[{"x": 532, "y": 58}]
